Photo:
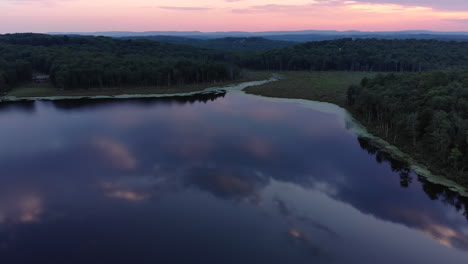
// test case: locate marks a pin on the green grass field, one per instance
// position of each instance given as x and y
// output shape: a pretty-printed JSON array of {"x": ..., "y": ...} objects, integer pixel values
[{"x": 328, "y": 87}]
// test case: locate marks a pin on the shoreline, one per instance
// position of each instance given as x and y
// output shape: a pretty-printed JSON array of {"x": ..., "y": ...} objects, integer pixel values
[
  {"x": 397, "y": 154},
  {"x": 360, "y": 130},
  {"x": 209, "y": 90},
  {"x": 356, "y": 127}
]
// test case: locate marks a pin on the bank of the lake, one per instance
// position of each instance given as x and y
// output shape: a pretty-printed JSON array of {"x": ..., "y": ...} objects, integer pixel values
[
  {"x": 332, "y": 87},
  {"x": 46, "y": 91}
]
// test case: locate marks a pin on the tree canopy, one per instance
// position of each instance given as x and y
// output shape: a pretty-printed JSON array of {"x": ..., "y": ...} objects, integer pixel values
[
  {"x": 99, "y": 62},
  {"x": 425, "y": 113},
  {"x": 409, "y": 55}
]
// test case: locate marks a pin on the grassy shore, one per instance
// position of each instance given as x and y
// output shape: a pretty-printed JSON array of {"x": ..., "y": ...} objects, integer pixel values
[
  {"x": 48, "y": 90},
  {"x": 328, "y": 87}
]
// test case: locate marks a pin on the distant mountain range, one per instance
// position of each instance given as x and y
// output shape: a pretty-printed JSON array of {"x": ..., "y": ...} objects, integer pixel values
[
  {"x": 295, "y": 36},
  {"x": 254, "y": 34}
]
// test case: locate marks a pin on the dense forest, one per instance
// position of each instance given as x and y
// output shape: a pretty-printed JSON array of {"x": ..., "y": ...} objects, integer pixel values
[
  {"x": 426, "y": 114},
  {"x": 13, "y": 72},
  {"x": 377, "y": 55},
  {"x": 98, "y": 62},
  {"x": 224, "y": 44}
]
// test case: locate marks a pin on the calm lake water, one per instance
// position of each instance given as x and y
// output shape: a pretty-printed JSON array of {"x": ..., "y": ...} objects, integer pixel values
[{"x": 228, "y": 179}]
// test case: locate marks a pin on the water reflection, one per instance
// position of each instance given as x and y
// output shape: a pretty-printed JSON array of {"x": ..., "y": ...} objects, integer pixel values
[
  {"x": 381, "y": 156},
  {"x": 24, "y": 106},
  {"x": 20, "y": 207},
  {"x": 116, "y": 153},
  {"x": 228, "y": 184},
  {"x": 222, "y": 178},
  {"x": 433, "y": 191},
  {"x": 413, "y": 217},
  {"x": 125, "y": 191},
  {"x": 171, "y": 100}
]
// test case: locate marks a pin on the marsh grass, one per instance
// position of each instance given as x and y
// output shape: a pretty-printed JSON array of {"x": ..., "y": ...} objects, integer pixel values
[{"x": 330, "y": 87}]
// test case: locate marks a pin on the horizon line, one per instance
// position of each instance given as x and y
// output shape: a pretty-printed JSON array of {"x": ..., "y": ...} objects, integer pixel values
[{"x": 236, "y": 31}]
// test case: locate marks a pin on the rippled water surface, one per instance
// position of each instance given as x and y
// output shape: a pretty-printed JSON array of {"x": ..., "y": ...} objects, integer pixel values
[{"x": 229, "y": 179}]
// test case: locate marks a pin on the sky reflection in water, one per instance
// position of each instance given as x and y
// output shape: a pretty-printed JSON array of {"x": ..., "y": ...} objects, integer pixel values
[{"x": 234, "y": 179}]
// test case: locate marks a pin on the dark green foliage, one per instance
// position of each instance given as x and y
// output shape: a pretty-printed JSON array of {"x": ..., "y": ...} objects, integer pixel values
[
  {"x": 225, "y": 44},
  {"x": 424, "y": 113},
  {"x": 13, "y": 72},
  {"x": 98, "y": 62},
  {"x": 363, "y": 55}
]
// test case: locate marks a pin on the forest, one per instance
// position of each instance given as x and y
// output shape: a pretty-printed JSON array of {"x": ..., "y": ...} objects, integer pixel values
[
  {"x": 376, "y": 55},
  {"x": 224, "y": 44},
  {"x": 425, "y": 114},
  {"x": 81, "y": 62},
  {"x": 97, "y": 62}
]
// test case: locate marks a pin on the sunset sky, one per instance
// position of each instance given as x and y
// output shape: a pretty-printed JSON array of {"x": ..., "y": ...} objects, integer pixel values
[{"x": 231, "y": 15}]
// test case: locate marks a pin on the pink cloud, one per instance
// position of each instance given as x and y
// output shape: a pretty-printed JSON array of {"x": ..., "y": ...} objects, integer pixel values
[{"x": 215, "y": 15}]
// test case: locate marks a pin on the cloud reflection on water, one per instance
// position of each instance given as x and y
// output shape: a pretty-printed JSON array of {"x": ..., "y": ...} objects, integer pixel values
[
  {"x": 202, "y": 156},
  {"x": 121, "y": 191},
  {"x": 116, "y": 153},
  {"x": 440, "y": 232},
  {"x": 20, "y": 208},
  {"x": 241, "y": 184}
]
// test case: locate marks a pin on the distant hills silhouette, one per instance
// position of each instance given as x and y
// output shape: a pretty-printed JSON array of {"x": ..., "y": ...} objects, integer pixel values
[{"x": 295, "y": 36}]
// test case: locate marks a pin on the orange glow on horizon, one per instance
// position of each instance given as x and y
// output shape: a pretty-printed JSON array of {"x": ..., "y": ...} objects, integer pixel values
[{"x": 224, "y": 15}]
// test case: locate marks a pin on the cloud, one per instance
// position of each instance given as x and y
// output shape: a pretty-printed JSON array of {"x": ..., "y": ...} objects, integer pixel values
[
  {"x": 385, "y": 5},
  {"x": 454, "y": 5},
  {"x": 184, "y": 8},
  {"x": 458, "y": 20},
  {"x": 46, "y": 3},
  {"x": 231, "y": 15},
  {"x": 272, "y": 8}
]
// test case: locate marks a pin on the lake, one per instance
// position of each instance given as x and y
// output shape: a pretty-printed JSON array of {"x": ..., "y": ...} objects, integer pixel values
[{"x": 228, "y": 178}]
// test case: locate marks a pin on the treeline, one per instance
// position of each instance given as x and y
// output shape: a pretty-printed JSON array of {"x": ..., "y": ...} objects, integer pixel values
[
  {"x": 426, "y": 114},
  {"x": 13, "y": 73},
  {"x": 377, "y": 55},
  {"x": 99, "y": 62},
  {"x": 239, "y": 44}
]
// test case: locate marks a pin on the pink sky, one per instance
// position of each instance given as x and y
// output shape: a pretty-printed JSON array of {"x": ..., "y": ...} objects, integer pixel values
[{"x": 230, "y": 15}]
